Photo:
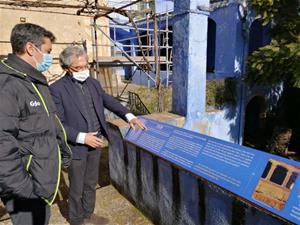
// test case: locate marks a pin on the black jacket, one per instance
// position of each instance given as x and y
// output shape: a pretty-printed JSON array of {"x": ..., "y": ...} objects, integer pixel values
[
  {"x": 32, "y": 139},
  {"x": 71, "y": 113}
]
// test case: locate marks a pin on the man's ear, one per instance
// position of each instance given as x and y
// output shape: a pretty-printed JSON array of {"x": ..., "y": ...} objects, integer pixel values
[{"x": 29, "y": 49}]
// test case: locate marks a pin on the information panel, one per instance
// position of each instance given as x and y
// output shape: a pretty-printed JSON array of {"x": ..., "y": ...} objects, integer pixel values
[{"x": 267, "y": 180}]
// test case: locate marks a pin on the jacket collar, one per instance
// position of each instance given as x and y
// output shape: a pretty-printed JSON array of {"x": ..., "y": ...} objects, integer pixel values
[
  {"x": 70, "y": 85},
  {"x": 70, "y": 88},
  {"x": 20, "y": 65}
]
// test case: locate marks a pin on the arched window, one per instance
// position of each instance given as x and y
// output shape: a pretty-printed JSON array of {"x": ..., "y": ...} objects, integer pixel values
[
  {"x": 211, "y": 45},
  {"x": 255, "y": 123}
]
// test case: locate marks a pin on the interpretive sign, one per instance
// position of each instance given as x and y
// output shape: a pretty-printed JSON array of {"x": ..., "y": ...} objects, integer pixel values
[{"x": 267, "y": 180}]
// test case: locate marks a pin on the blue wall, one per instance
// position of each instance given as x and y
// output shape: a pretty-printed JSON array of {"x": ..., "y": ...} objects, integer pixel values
[
  {"x": 163, "y": 5},
  {"x": 228, "y": 53},
  {"x": 229, "y": 42},
  {"x": 228, "y": 48}
]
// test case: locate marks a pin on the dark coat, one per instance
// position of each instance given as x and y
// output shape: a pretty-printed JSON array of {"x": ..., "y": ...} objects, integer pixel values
[
  {"x": 71, "y": 113},
  {"x": 32, "y": 138}
]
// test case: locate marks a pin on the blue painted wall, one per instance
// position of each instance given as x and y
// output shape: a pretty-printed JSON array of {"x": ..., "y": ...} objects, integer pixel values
[
  {"x": 165, "y": 193},
  {"x": 164, "y": 5},
  {"x": 229, "y": 42},
  {"x": 226, "y": 55}
]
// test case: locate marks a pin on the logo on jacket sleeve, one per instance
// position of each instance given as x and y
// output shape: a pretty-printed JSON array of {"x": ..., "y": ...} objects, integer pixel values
[{"x": 34, "y": 103}]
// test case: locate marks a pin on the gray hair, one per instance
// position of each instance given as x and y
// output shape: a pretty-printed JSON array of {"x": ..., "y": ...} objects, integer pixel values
[
  {"x": 23, "y": 33},
  {"x": 67, "y": 55}
]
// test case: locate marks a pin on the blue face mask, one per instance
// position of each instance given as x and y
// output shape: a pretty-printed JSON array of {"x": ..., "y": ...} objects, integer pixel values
[{"x": 45, "y": 64}]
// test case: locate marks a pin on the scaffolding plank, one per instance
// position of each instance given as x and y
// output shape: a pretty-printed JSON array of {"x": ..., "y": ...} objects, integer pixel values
[{"x": 112, "y": 61}]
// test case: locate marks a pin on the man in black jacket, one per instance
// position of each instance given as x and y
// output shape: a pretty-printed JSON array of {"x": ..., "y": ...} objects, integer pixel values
[
  {"x": 32, "y": 139},
  {"x": 80, "y": 102}
]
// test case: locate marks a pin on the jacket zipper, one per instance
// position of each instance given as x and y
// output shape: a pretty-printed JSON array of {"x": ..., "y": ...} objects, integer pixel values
[
  {"x": 65, "y": 133},
  {"x": 50, "y": 202}
]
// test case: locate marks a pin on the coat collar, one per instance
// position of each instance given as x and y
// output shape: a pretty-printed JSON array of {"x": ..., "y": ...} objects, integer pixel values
[
  {"x": 96, "y": 97},
  {"x": 70, "y": 88},
  {"x": 24, "y": 67}
]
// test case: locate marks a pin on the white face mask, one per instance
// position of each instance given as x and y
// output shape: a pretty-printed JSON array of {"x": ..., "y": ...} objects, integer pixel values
[{"x": 82, "y": 75}]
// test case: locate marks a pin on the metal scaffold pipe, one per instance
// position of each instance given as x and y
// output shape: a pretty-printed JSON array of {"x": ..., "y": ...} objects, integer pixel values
[{"x": 125, "y": 54}]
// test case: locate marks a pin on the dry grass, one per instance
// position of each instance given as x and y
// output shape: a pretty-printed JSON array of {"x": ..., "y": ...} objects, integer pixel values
[{"x": 149, "y": 97}]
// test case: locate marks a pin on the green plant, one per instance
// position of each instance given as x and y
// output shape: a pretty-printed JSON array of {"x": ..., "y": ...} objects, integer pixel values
[
  {"x": 278, "y": 61},
  {"x": 220, "y": 92}
]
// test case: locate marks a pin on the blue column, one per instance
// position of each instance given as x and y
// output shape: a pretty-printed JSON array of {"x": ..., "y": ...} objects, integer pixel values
[{"x": 189, "y": 59}]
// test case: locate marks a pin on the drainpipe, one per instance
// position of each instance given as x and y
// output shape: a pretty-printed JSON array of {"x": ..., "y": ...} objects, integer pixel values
[
  {"x": 189, "y": 61},
  {"x": 245, "y": 26}
]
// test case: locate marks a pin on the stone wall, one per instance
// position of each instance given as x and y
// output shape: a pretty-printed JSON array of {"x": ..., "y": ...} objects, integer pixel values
[{"x": 67, "y": 28}]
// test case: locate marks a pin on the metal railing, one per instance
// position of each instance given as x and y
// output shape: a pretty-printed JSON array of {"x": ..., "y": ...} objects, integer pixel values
[{"x": 136, "y": 105}]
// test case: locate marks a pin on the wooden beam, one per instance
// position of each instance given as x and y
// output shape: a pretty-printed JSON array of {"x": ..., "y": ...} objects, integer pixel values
[
  {"x": 120, "y": 9},
  {"x": 39, "y": 4}
]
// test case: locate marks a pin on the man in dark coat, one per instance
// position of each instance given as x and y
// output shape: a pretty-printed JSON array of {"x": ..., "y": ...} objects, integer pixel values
[
  {"x": 80, "y": 101},
  {"x": 32, "y": 139}
]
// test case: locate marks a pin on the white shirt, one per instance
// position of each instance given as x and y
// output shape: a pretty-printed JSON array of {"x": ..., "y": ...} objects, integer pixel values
[{"x": 81, "y": 135}]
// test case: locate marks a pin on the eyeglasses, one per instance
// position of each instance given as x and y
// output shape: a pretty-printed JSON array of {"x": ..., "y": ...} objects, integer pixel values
[{"x": 80, "y": 68}]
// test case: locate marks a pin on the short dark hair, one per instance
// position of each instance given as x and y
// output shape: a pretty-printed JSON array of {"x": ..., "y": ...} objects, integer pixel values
[{"x": 23, "y": 33}]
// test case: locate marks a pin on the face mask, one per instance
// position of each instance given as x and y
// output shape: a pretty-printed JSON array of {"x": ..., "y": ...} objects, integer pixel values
[
  {"x": 82, "y": 75},
  {"x": 45, "y": 64}
]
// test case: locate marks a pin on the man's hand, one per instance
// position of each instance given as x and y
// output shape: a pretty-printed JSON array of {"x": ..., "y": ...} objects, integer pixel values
[
  {"x": 93, "y": 141},
  {"x": 136, "y": 123}
]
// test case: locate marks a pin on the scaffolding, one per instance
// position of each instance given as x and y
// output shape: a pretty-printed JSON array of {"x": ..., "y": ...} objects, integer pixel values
[
  {"x": 145, "y": 57},
  {"x": 132, "y": 52}
]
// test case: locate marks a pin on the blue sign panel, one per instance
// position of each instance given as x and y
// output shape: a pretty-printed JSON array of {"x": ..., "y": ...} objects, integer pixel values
[{"x": 267, "y": 180}]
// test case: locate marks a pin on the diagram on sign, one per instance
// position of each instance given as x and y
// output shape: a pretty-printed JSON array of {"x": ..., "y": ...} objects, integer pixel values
[{"x": 276, "y": 184}]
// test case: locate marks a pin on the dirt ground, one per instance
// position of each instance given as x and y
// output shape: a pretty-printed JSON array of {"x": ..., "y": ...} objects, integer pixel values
[{"x": 109, "y": 203}]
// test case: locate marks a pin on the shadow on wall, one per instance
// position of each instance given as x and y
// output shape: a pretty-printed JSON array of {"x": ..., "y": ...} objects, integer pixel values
[
  {"x": 255, "y": 112},
  {"x": 255, "y": 123}
]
